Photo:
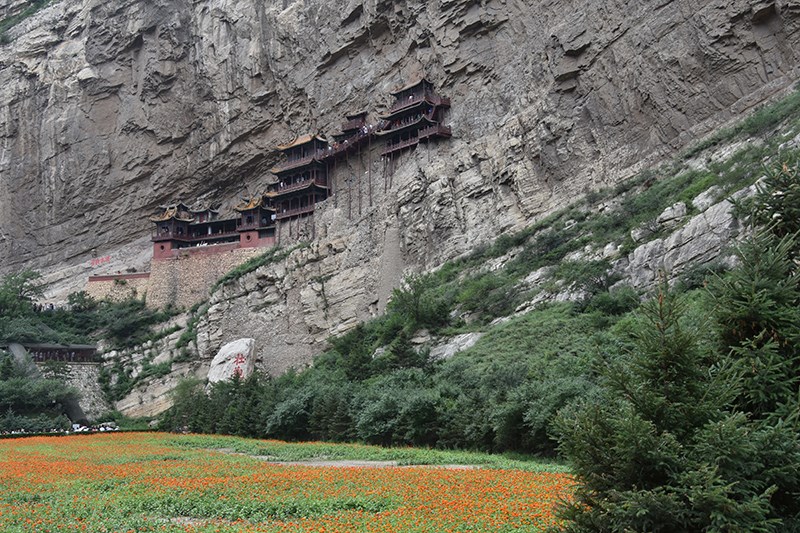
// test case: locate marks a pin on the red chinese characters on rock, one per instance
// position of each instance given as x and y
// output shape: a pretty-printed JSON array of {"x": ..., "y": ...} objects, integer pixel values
[
  {"x": 238, "y": 361},
  {"x": 97, "y": 261}
]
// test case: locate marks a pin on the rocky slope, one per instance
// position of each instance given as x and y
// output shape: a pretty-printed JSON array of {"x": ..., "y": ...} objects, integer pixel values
[{"x": 110, "y": 108}]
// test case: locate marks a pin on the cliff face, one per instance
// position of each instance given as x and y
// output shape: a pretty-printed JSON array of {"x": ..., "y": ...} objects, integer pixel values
[{"x": 112, "y": 107}]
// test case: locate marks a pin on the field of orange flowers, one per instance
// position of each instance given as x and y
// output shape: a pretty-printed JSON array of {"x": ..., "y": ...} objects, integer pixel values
[{"x": 150, "y": 482}]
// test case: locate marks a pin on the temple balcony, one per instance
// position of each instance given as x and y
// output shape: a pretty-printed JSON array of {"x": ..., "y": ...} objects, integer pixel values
[
  {"x": 213, "y": 236},
  {"x": 160, "y": 237},
  {"x": 402, "y": 145},
  {"x": 297, "y": 163},
  {"x": 286, "y": 189},
  {"x": 295, "y": 212},
  {"x": 255, "y": 226},
  {"x": 435, "y": 130},
  {"x": 408, "y": 124}
]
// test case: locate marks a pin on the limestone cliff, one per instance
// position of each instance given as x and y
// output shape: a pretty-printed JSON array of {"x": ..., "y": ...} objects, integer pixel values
[{"x": 112, "y": 107}]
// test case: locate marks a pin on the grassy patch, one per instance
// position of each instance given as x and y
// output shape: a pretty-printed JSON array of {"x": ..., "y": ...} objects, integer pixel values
[
  {"x": 308, "y": 451},
  {"x": 9, "y": 22}
]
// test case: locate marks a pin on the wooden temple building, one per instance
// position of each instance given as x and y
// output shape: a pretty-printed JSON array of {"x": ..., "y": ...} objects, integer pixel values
[
  {"x": 305, "y": 177},
  {"x": 181, "y": 227},
  {"x": 69, "y": 353},
  {"x": 302, "y": 180},
  {"x": 416, "y": 116}
]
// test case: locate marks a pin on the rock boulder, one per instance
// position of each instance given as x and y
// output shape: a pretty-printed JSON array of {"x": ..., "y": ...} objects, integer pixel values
[{"x": 237, "y": 357}]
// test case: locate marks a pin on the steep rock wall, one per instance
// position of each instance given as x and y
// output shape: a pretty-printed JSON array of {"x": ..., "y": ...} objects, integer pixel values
[{"x": 112, "y": 107}]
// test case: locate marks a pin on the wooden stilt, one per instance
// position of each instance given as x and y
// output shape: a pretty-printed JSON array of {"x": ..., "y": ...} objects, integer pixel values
[
  {"x": 349, "y": 198},
  {"x": 330, "y": 180},
  {"x": 383, "y": 158},
  {"x": 358, "y": 156},
  {"x": 369, "y": 167},
  {"x": 391, "y": 169}
]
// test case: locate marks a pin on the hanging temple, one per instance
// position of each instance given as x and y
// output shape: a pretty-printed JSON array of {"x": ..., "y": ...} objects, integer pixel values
[{"x": 304, "y": 178}]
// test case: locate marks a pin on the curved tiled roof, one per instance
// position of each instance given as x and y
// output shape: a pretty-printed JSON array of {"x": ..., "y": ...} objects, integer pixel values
[
  {"x": 171, "y": 212},
  {"x": 299, "y": 141}
]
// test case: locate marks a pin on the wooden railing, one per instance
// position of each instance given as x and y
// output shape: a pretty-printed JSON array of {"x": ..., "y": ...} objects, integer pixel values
[
  {"x": 65, "y": 355},
  {"x": 436, "y": 129},
  {"x": 158, "y": 236},
  {"x": 296, "y": 211},
  {"x": 212, "y": 236},
  {"x": 427, "y": 96},
  {"x": 300, "y": 185},
  {"x": 193, "y": 238},
  {"x": 295, "y": 163},
  {"x": 399, "y": 146}
]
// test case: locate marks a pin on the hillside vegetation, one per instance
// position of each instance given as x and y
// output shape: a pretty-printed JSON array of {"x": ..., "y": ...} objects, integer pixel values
[
  {"x": 681, "y": 413},
  {"x": 376, "y": 384}
]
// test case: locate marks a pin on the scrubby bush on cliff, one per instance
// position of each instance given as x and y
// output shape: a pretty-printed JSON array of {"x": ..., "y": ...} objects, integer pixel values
[
  {"x": 500, "y": 395},
  {"x": 82, "y": 320}
]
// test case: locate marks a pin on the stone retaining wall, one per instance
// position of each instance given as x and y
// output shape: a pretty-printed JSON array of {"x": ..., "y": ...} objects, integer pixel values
[
  {"x": 185, "y": 280},
  {"x": 84, "y": 378}
]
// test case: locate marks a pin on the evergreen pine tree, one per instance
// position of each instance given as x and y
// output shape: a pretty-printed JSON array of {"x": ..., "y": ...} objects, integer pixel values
[{"x": 690, "y": 441}]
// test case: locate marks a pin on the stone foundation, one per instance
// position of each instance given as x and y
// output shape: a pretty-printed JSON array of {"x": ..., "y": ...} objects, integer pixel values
[
  {"x": 186, "y": 278},
  {"x": 84, "y": 378}
]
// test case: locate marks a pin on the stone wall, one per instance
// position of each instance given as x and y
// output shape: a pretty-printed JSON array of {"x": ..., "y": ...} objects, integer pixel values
[
  {"x": 118, "y": 287},
  {"x": 83, "y": 377},
  {"x": 186, "y": 279}
]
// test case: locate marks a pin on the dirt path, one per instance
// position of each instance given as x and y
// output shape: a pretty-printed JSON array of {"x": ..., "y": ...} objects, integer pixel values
[{"x": 340, "y": 463}]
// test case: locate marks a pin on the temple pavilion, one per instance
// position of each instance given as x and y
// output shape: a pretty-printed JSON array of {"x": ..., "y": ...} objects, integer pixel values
[
  {"x": 183, "y": 227},
  {"x": 417, "y": 115},
  {"x": 302, "y": 178},
  {"x": 256, "y": 223}
]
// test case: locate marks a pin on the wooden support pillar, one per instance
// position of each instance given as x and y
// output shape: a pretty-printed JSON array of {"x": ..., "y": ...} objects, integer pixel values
[
  {"x": 329, "y": 180},
  {"x": 369, "y": 167},
  {"x": 358, "y": 180},
  {"x": 383, "y": 159},
  {"x": 349, "y": 198},
  {"x": 391, "y": 169}
]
